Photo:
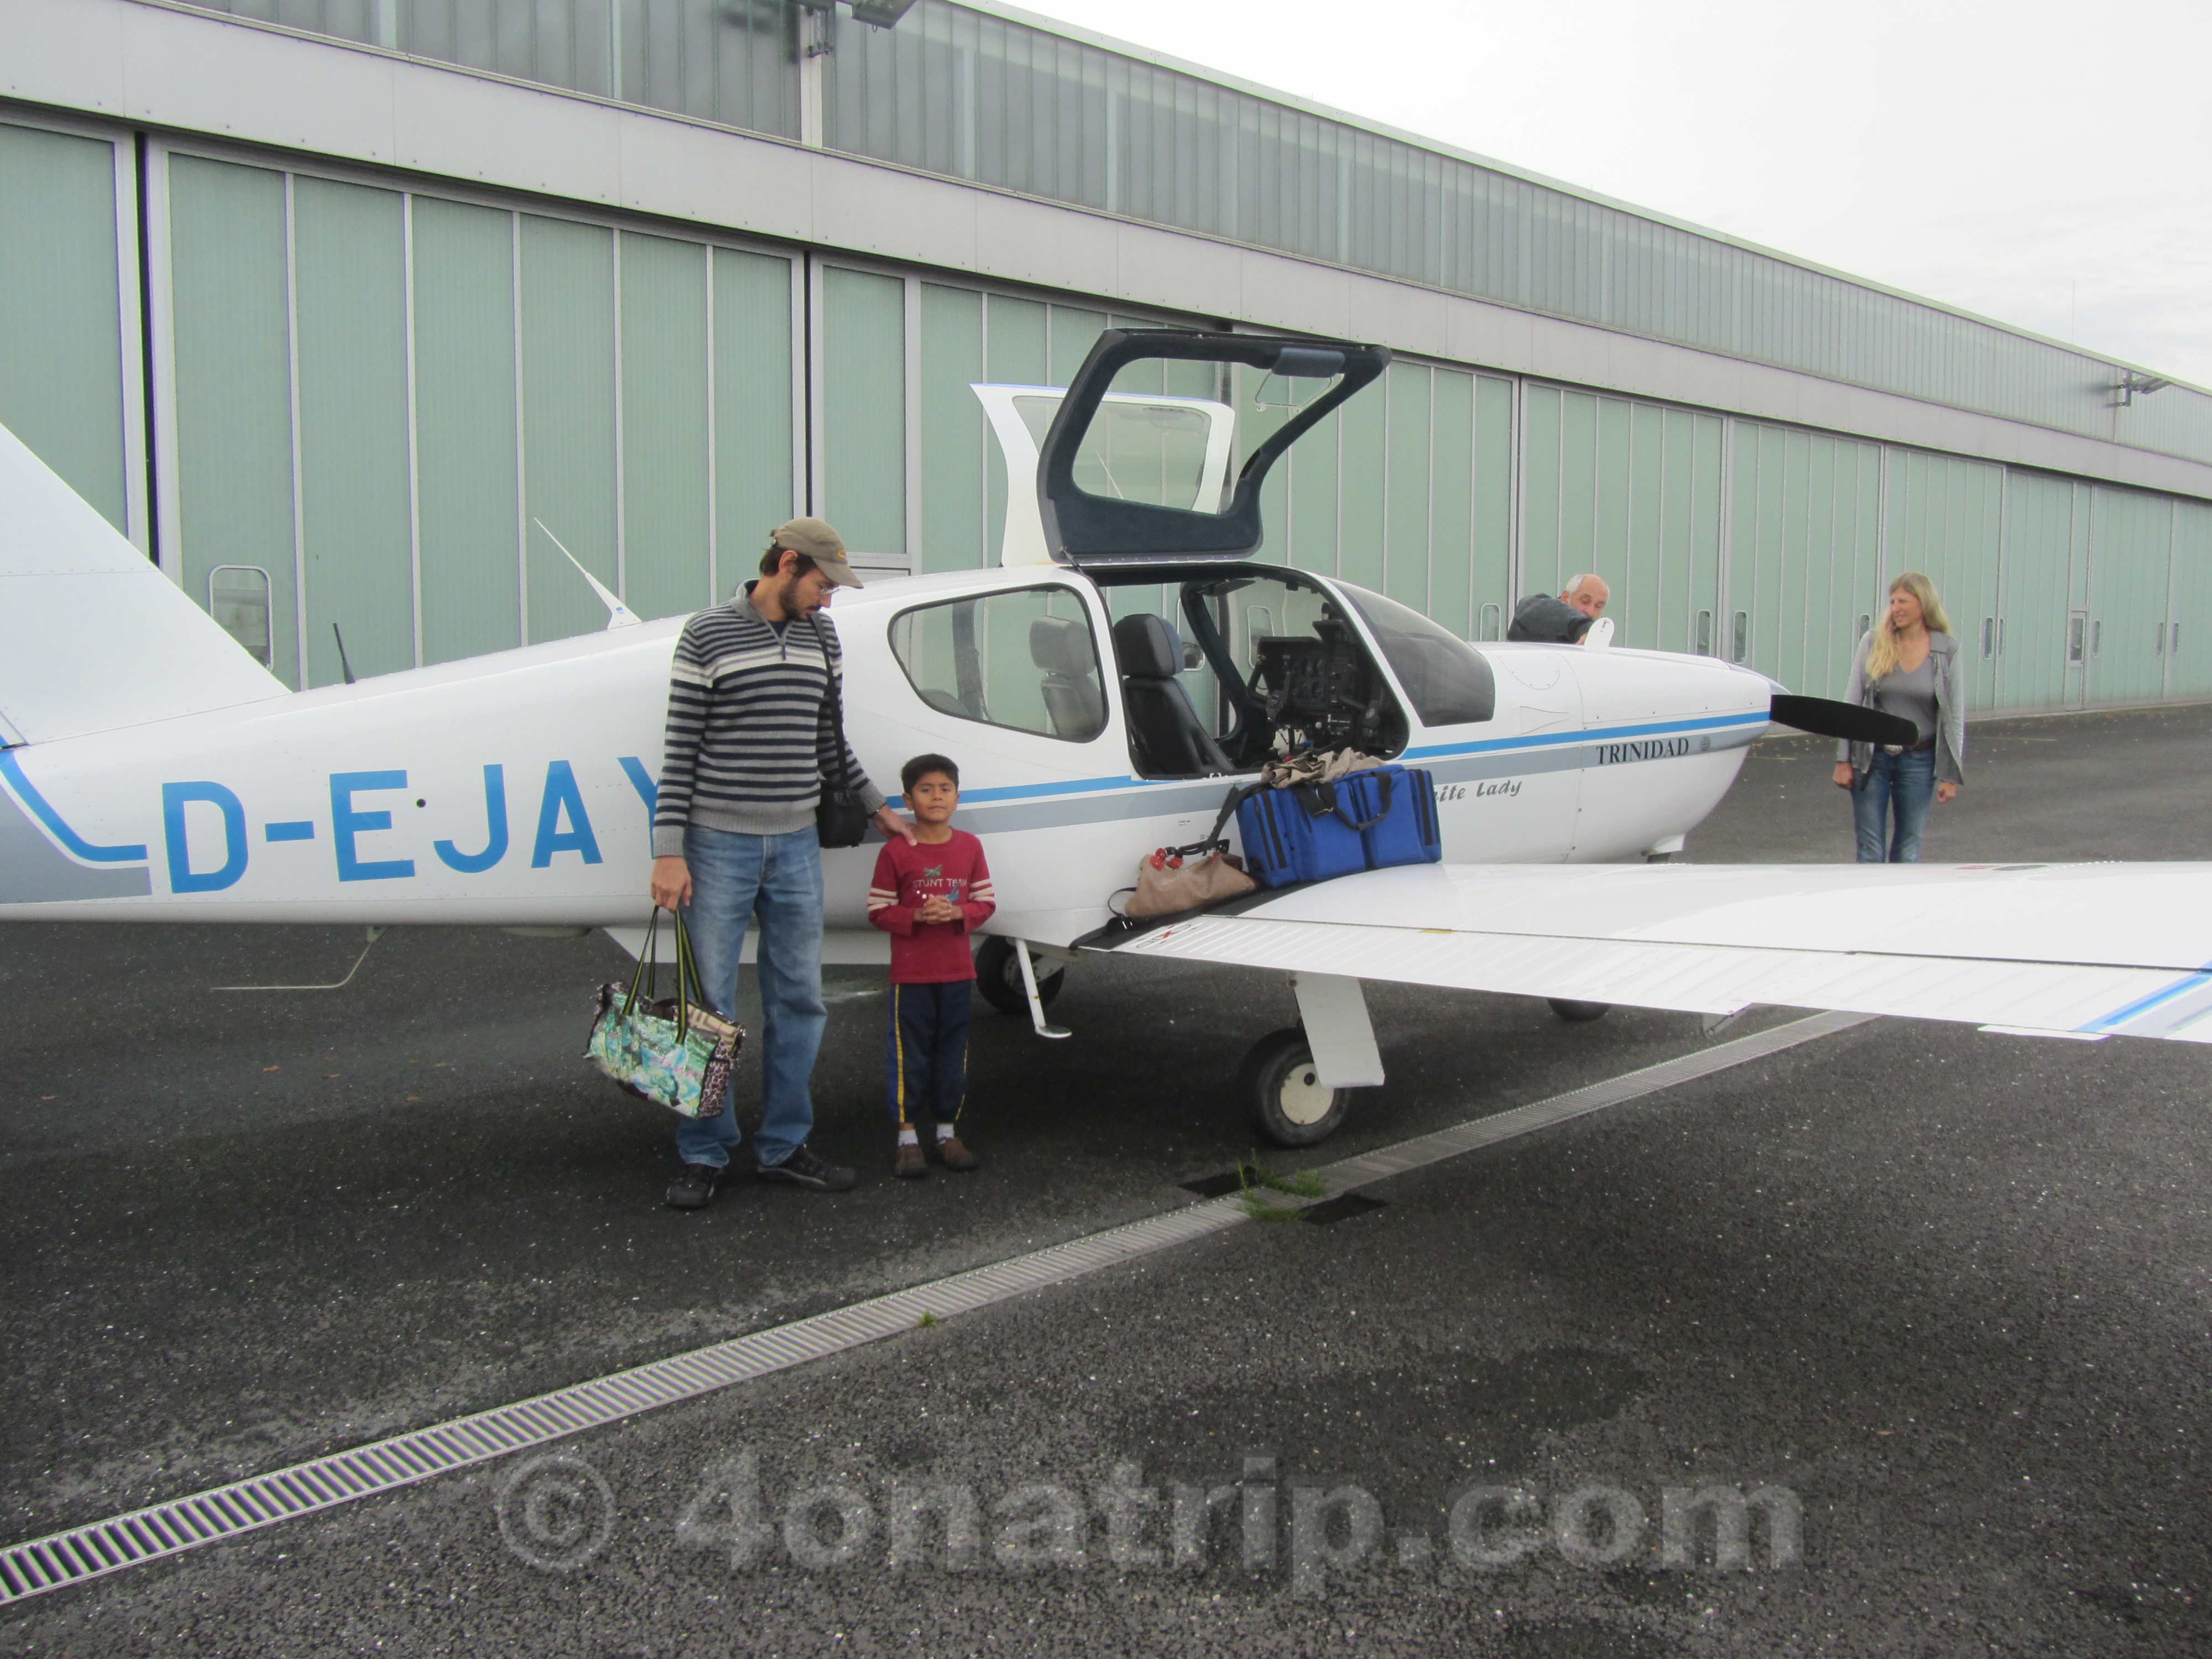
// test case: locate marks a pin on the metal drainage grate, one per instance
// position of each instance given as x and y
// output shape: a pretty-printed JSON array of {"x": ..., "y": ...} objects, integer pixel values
[
  {"x": 1342, "y": 1207},
  {"x": 1214, "y": 1185},
  {"x": 224, "y": 1512}
]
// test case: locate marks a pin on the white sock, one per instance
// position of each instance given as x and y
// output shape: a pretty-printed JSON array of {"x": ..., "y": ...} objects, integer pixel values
[
  {"x": 944, "y": 1131},
  {"x": 907, "y": 1138}
]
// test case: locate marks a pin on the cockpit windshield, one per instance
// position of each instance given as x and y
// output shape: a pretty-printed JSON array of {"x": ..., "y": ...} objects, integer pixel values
[{"x": 1448, "y": 681}]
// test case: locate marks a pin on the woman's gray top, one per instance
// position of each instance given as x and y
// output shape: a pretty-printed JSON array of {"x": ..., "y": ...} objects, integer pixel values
[
  {"x": 1913, "y": 695},
  {"x": 1948, "y": 720}
]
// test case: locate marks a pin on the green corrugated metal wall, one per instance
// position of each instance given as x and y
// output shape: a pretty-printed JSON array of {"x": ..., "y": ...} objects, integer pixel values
[
  {"x": 462, "y": 373},
  {"x": 466, "y": 439},
  {"x": 61, "y": 326},
  {"x": 1804, "y": 554},
  {"x": 1632, "y": 491},
  {"x": 2131, "y": 542},
  {"x": 377, "y": 391},
  {"x": 1022, "y": 106},
  {"x": 2039, "y": 558},
  {"x": 1407, "y": 489},
  {"x": 2188, "y": 662},
  {"x": 229, "y": 264},
  {"x": 350, "y": 364},
  {"x": 864, "y": 408}
]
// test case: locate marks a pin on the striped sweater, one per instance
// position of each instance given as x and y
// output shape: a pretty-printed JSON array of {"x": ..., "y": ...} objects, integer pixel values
[{"x": 749, "y": 737}]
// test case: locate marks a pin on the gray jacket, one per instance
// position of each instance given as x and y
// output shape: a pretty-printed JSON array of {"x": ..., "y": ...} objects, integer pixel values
[
  {"x": 1950, "y": 707},
  {"x": 1540, "y": 617}
]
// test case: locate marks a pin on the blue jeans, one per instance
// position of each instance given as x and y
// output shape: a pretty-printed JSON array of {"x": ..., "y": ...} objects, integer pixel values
[
  {"x": 777, "y": 878},
  {"x": 1906, "y": 781}
]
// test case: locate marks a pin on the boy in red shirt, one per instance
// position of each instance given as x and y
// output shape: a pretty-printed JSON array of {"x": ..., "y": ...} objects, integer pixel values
[{"x": 928, "y": 897}]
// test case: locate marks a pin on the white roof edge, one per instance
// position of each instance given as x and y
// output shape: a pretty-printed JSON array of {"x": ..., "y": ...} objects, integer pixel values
[
  {"x": 1253, "y": 88},
  {"x": 1528, "y": 175}
]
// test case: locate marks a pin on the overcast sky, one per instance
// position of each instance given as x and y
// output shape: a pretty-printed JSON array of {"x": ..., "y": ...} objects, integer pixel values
[{"x": 2049, "y": 166}]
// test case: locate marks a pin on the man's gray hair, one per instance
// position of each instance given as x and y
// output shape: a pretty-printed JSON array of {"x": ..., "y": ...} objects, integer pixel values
[{"x": 1575, "y": 585}]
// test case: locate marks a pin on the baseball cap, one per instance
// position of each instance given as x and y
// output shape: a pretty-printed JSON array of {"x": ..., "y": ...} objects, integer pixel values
[{"x": 818, "y": 541}]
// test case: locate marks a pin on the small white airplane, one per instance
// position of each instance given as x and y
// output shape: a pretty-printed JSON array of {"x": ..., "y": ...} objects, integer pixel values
[{"x": 151, "y": 770}]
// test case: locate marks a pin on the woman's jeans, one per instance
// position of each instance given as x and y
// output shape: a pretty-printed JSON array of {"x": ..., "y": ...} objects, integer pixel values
[
  {"x": 1906, "y": 781},
  {"x": 735, "y": 877}
]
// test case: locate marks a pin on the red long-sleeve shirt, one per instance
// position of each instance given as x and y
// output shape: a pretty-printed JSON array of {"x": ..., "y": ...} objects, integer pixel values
[{"x": 931, "y": 952}]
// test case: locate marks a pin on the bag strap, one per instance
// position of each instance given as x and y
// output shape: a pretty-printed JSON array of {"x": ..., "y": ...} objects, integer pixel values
[
  {"x": 1238, "y": 796},
  {"x": 1385, "y": 812},
  {"x": 1321, "y": 799},
  {"x": 647, "y": 955},
  {"x": 687, "y": 980},
  {"x": 690, "y": 987},
  {"x": 837, "y": 699}
]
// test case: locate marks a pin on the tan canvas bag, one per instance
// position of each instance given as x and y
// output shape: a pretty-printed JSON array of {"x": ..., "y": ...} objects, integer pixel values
[{"x": 1168, "y": 884}]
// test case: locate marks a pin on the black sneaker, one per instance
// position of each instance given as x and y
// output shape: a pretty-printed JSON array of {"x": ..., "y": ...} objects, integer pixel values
[
  {"x": 804, "y": 1168},
  {"x": 694, "y": 1187}
]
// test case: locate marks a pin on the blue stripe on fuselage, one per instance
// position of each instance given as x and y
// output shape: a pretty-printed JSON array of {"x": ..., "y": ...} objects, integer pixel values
[
  {"x": 1544, "y": 739},
  {"x": 1434, "y": 751},
  {"x": 56, "y": 825}
]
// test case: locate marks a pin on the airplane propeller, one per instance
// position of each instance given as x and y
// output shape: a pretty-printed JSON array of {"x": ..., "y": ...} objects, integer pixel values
[{"x": 1824, "y": 718}]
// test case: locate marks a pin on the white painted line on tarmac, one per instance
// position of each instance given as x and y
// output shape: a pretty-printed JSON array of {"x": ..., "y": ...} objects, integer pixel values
[{"x": 222, "y": 1513}]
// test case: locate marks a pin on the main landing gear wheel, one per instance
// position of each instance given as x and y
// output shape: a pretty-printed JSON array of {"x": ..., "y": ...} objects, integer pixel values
[
  {"x": 999, "y": 977},
  {"x": 1286, "y": 1097},
  {"x": 1578, "y": 1013}
]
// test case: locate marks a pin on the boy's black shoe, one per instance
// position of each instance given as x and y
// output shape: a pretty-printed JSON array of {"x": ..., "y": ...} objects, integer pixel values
[
  {"x": 953, "y": 1153},
  {"x": 804, "y": 1168},
  {"x": 694, "y": 1187}
]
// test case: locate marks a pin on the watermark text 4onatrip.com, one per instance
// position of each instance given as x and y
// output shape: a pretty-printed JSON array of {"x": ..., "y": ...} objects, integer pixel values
[{"x": 557, "y": 1513}]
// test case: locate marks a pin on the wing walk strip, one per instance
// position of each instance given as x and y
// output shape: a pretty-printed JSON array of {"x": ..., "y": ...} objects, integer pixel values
[{"x": 169, "y": 1530}]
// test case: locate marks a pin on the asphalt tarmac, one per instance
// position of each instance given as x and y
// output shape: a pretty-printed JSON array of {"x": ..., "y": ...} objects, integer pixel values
[{"x": 1938, "y": 1298}]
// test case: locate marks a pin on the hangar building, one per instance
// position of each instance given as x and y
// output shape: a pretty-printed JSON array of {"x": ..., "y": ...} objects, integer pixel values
[{"x": 326, "y": 302}]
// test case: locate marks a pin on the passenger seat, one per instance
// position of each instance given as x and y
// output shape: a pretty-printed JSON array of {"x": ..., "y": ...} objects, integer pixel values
[{"x": 1073, "y": 700}]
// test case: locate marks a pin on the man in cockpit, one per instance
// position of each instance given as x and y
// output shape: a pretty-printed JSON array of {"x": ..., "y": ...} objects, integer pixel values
[{"x": 1563, "y": 620}]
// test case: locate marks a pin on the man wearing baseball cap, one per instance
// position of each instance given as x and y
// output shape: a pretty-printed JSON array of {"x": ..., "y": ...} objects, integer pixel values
[{"x": 750, "y": 738}]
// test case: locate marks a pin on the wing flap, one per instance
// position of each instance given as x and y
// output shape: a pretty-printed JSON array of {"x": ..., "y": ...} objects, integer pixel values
[{"x": 2123, "y": 915}]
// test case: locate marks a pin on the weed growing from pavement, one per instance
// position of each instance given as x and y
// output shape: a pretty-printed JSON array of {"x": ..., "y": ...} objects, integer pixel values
[{"x": 1255, "y": 1181}]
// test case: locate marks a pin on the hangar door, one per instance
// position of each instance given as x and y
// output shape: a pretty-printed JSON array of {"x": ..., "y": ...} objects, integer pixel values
[
  {"x": 1633, "y": 491},
  {"x": 1804, "y": 557},
  {"x": 1946, "y": 520}
]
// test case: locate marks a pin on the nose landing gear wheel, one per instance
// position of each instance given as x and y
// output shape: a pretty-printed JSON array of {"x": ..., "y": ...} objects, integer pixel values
[
  {"x": 999, "y": 977},
  {"x": 1568, "y": 1009},
  {"x": 1286, "y": 1097}
]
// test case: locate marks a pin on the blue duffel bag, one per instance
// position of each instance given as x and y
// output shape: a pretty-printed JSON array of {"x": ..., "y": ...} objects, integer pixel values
[
  {"x": 1398, "y": 807},
  {"x": 1366, "y": 821},
  {"x": 1305, "y": 833}
]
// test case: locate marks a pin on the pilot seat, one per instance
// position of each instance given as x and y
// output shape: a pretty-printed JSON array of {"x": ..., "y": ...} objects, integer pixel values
[{"x": 1163, "y": 729}]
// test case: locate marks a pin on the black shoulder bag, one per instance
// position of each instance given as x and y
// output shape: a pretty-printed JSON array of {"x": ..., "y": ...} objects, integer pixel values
[{"x": 842, "y": 817}]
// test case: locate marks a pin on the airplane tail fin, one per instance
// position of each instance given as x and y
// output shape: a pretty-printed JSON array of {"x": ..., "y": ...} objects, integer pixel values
[{"x": 92, "y": 636}]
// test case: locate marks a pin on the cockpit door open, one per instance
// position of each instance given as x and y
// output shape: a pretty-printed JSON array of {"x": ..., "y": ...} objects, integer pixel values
[
  {"x": 1172, "y": 452},
  {"x": 1087, "y": 515}
]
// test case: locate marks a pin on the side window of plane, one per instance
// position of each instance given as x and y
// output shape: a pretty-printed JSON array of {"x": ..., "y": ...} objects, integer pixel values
[{"x": 1024, "y": 659}]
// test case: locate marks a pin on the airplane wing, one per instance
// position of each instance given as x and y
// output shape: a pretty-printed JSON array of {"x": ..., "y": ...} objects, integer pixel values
[{"x": 2084, "y": 951}]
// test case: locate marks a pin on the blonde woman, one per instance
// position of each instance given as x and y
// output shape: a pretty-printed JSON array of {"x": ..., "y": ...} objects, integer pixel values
[{"x": 1907, "y": 665}]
